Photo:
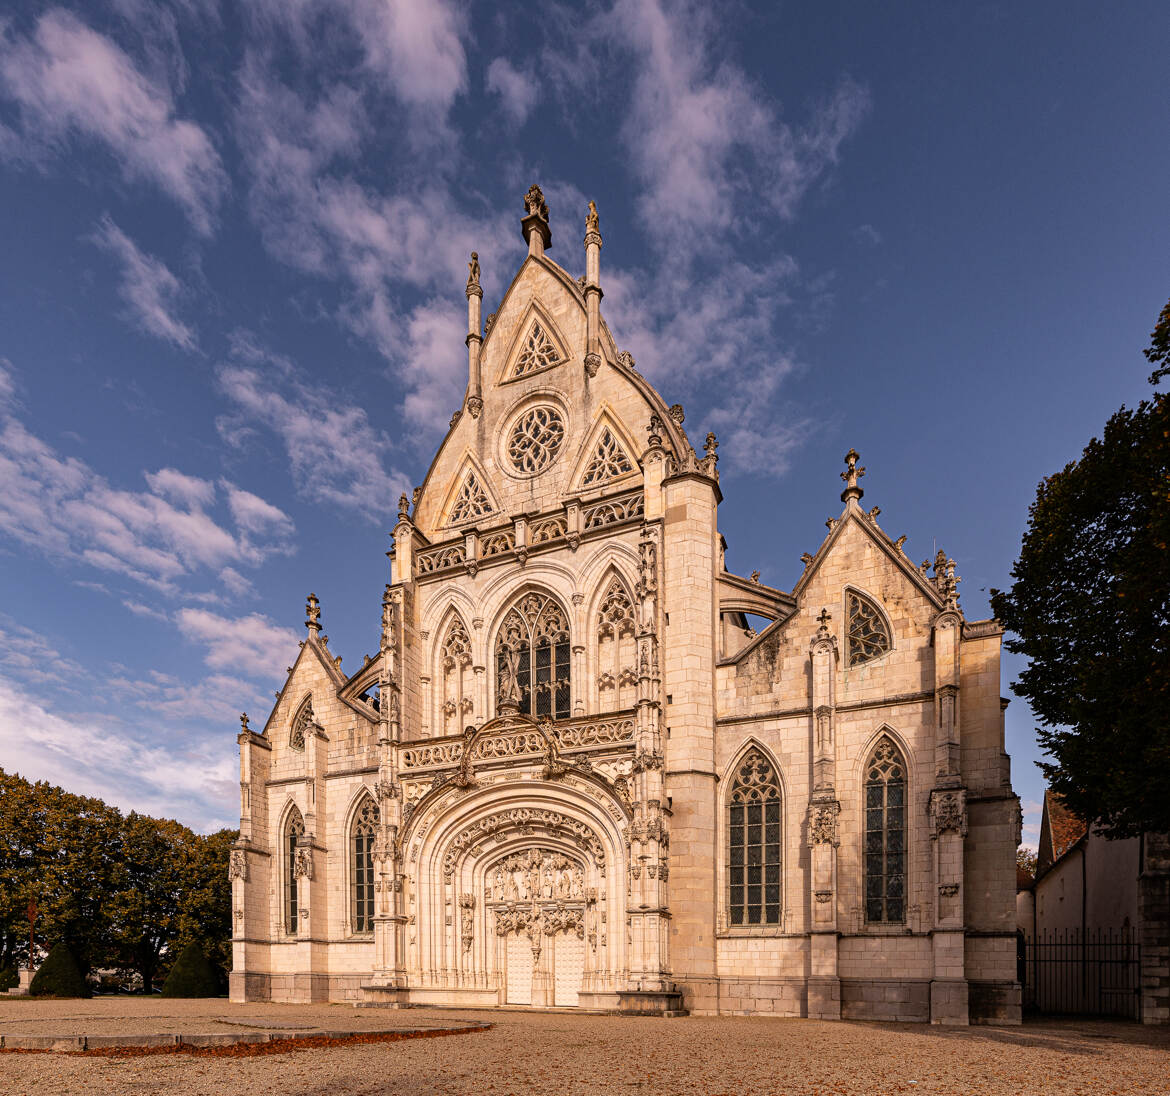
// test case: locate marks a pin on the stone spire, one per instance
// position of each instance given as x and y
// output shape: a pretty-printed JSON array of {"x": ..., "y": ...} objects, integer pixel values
[
  {"x": 851, "y": 475},
  {"x": 474, "y": 337},
  {"x": 592, "y": 292},
  {"x": 534, "y": 226},
  {"x": 313, "y": 616}
]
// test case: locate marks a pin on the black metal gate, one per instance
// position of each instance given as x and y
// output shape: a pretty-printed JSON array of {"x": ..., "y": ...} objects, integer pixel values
[{"x": 1096, "y": 973}]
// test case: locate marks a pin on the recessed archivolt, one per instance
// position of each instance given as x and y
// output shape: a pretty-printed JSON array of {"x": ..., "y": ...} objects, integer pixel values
[{"x": 537, "y": 346}]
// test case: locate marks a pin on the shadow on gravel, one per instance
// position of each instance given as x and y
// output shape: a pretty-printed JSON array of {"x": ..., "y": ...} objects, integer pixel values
[{"x": 1087, "y": 1037}]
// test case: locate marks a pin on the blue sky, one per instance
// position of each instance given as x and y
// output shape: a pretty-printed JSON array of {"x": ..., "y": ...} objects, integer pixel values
[{"x": 231, "y": 303}]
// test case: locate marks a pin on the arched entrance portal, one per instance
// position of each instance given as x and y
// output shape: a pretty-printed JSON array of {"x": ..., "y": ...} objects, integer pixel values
[
  {"x": 515, "y": 892},
  {"x": 537, "y": 900}
]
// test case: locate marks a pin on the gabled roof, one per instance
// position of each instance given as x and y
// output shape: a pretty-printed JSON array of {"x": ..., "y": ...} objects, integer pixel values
[
  {"x": 868, "y": 524},
  {"x": 1060, "y": 832},
  {"x": 314, "y": 648}
]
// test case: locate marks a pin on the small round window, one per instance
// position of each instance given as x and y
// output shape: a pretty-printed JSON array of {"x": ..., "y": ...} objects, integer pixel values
[{"x": 535, "y": 439}]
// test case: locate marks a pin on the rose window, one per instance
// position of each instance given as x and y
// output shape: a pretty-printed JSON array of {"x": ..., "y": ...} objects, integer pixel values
[{"x": 536, "y": 439}]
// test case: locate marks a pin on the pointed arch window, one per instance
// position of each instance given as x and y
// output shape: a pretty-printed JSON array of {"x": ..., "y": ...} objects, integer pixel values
[
  {"x": 617, "y": 677},
  {"x": 537, "y": 352},
  {"x": 455, "y": 657},
  {"x": 753, "y": 854},
  {"x": 869, "y": 635},
  {"x": 532, "y": 658},
  {"x": 294, "y": 830},
  {"x": 472, "y": 500},
  {"x": 361, "y": 844},
  {"x": 300, "y": 724},
  {"x": 609, "y": 461},
  {"x": 885, "y": 834}
]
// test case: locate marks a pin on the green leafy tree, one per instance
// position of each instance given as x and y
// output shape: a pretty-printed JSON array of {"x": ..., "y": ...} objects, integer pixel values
[
  {"x": 206, "y": 914},
  {"x": 145, "y": 906},
  {"x": 1090, "y": 608}
]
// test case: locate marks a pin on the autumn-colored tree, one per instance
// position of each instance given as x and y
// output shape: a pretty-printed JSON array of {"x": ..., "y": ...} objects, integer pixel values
[{"x": 125, "y": 893}]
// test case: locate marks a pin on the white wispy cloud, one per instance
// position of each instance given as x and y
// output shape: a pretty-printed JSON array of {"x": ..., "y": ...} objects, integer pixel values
[
  {"x": 517, "y": 90},
  {"x": 381, "y": 247},
  {"x": 59, "y": 505},
  {"x": 251, "y": 645},
  {"x": 413, "y": 48},
  {"x": 147, "y": 286},
  {"x": 69, "y": 81},
  {"x": 716, "y": 171},
  {"x": 335, "y": 454},
  {"x": 32, "y": 657},
  {"x": 192, "y": 779}
]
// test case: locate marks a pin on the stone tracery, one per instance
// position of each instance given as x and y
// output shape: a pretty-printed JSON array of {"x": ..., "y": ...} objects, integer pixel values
[
  {"x": 609, "y": 461},
  {"x": 472, "y": 501},
  {"x": 535, "y": 439},
  {"x": 538, "y": 352},
  {"x": 532, "y": 657},
  {"x": 869, "y": 638}
]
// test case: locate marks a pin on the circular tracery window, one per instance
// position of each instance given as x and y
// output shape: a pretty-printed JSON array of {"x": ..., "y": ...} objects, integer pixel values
[{"x": 536, "y": 439}]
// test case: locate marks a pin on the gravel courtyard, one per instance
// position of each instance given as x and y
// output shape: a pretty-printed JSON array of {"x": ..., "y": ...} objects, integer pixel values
[{"x": 561, "y": 1053}]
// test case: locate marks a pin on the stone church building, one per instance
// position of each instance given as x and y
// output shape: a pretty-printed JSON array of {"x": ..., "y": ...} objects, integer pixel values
[{"x": 573, "y": 775}]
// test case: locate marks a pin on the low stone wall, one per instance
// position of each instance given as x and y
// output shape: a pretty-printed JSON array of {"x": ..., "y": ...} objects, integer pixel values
[
  {"x": 994, "y": 1002},
  {"x": 885, "y": 999}
]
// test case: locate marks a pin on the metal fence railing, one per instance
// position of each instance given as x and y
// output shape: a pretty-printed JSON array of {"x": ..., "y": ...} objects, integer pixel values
[{"x": 1095, "y": 972}]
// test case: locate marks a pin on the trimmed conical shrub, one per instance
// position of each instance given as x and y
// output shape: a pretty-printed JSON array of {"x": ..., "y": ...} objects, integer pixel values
[
  {"x": 192, "y": 975},
  {"x": 58, "y": 976}
]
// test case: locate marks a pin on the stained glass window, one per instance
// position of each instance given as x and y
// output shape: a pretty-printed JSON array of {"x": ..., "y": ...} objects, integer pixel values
[
  {"x": 885, "y": 834},
  {"x": 293, "y": 831},
  {"x": 869, "y": 638},
  {"x": 532, "y": 656},
  {"x": 365, "y": 826},
  {"x": 753, "y": 855}
]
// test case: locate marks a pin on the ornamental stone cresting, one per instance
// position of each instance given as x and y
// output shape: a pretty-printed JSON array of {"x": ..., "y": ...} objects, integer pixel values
[{"x": 573, "y": 774}]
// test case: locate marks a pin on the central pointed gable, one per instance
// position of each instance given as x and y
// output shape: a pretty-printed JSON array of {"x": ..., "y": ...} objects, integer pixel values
[
  {"x": 470, "y": 497},
  {"x": 537, "y": 346}
]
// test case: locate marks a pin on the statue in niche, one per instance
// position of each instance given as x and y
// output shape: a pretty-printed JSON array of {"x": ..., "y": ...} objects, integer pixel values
[{"x": 548, "y": 882}]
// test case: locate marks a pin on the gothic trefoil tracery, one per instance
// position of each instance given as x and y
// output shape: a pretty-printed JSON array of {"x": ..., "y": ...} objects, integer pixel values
[
  {"x": 609, "y": 461},
  {"x": 472, "y": 500},
  {"x": 538, "y": 352}
]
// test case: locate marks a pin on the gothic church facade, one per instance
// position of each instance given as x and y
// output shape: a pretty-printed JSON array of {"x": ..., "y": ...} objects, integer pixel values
[{"x": 573, "y": 776}]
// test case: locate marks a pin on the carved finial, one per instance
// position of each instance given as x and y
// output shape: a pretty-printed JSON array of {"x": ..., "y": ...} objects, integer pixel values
[
  {"x": 711, "y": 447},
  {"x": 591, "y": 217},
  {"x": 873, "y": 514},
  {"x": 831, "y": 524},
  {"x": 677, "y": 413},
  {"x": 403, "y": 508},
  {"x": 473, "y": 272},
  {"x": 313, "y": 615},
  {"x": 823, "y": 622},
  {"x": 899, "y": 542},
  {"x": 626, "y": 361},
  {"x": 756, "y": 577},
  {"x": 534, "y": 203},
  {"x": 534, "y": 227},
  {"x": 851, "y": 475},
  {"x": 806, "y": 558},
  {"x": 415, "y": 495},
  {"x": 244, "y": 721},
  {"x": 940, "y": 565},
  {"x": 654, "y": 432}
]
